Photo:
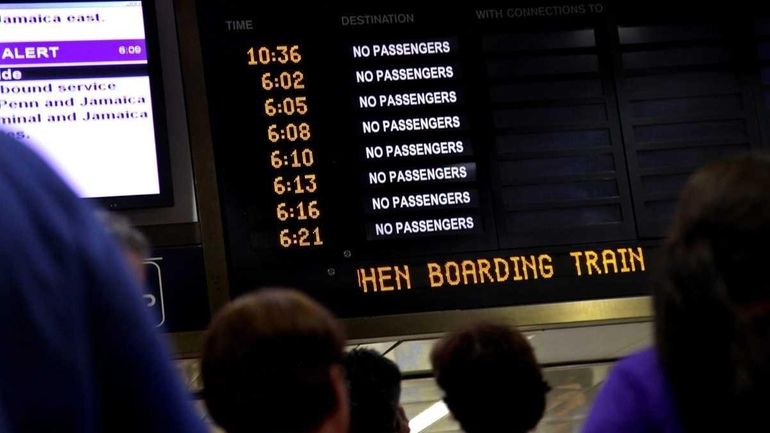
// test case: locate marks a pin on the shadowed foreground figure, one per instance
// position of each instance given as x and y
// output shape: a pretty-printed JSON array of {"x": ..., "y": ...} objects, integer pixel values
[
  {"x": 79, "y": 353},
  {"x": 374, "y": 385},
  {"x": 272, "y": 364},
  {"x": 710, "y": 368},
  {"x": 490, "y": 378}
]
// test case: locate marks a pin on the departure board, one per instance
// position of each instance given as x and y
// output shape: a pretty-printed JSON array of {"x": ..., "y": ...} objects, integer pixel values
[{"x": 407, "y": 157}]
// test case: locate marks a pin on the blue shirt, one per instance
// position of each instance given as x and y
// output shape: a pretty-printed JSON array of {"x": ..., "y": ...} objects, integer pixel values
[
  {"x": 635, "y": 398},
  {"x": 77, "y": 350}
]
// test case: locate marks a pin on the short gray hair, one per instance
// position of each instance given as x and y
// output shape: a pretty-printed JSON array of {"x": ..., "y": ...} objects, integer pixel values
[{"x": 127, "y": 235}]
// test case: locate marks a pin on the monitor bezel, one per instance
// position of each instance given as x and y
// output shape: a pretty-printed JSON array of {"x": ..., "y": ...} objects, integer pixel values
[{"x": 165, "y": 196}]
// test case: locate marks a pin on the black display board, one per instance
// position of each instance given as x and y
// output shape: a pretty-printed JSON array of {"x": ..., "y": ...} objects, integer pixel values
[{"x": 406, "y": 157}]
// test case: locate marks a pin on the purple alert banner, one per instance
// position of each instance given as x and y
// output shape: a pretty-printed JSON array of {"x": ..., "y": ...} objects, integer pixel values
[{"x": 43, "y": 53}]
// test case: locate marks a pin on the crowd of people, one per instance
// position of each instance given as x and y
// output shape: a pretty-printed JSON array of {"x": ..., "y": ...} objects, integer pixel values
[{"x": 80, "y": 354}]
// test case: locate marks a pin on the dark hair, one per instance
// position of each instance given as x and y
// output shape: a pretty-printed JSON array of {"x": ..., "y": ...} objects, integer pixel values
[
  {"x": 712, "y": 304},
  {"x": 374, "y": 385},
  {"x": 490, "y": 378},
  {"x": 266, "y": 364}
]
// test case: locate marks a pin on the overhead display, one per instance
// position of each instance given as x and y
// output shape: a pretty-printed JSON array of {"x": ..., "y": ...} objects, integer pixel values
[
  {"x": 80, "y": 83},
  {"x": 407, "y": 158}
]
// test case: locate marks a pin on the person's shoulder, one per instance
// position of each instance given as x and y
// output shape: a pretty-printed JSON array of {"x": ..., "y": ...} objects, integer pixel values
[
  {"x": 643, "y": 373},
  {"x": 634, "y": 398},
  {"x": 641, "y": 363}
]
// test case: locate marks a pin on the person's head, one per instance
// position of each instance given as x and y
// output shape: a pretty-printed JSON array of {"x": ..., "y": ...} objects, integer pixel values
[
  {"x": 490, "y": 378},
  {"x": 271, "y": 363},
  {"x": 712, "y": 302},
  {"x": 374, "y": 386},
  {"x": 134, "y": 244}
]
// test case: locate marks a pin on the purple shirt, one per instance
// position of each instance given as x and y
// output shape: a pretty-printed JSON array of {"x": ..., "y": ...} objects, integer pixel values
[{"x": 635, "y": 398}]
